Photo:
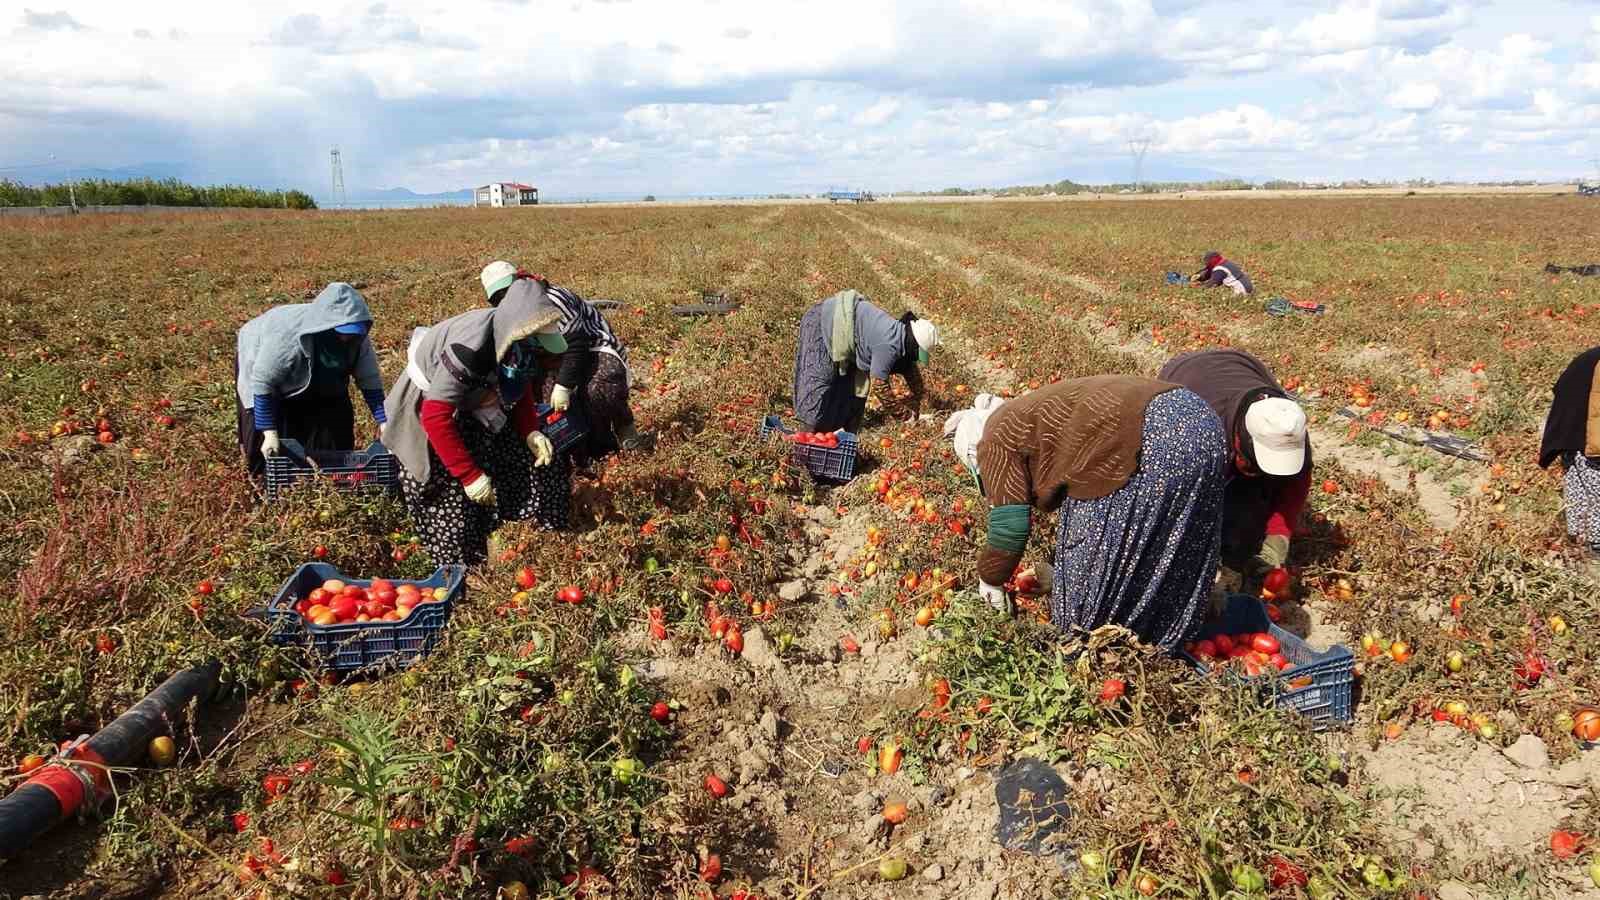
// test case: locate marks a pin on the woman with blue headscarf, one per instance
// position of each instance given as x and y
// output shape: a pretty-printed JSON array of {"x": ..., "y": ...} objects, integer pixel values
[
  {"x": 465, "y": 425},
  {"x": 293, "y": 372}
]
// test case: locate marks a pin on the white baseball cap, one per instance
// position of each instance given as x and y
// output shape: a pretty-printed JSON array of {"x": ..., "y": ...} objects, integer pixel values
[
  {"x": 496, "y": 275},
  {"x": 1278, "y": 430}
]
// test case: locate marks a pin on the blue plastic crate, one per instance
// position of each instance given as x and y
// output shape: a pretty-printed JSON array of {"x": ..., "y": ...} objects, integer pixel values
[
  {"x": 374, "y": 468},
  {"x": 1176, "y": 278},
  {"x": 1326, "y": 700},
  {"x": 568, "y": 429},
  {"x": 836, "y": 465},
  {"x": 365, "y": 646}
]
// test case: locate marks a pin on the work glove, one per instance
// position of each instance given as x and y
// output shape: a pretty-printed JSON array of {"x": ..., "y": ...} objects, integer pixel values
[
  {"x": 997, "y": 598},
  {"x": 560, "y": 398},
  {"x": 543, "y": 451},
  {"x": 480, "y": 491},
  {"x": 383, "y": 429},
  {"x": 1274, "y": 553},
  {"x": 270, "y": 446}
]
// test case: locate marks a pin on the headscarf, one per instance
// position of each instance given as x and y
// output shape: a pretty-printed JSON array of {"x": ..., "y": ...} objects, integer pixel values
[{"x": 965, "y": 429}]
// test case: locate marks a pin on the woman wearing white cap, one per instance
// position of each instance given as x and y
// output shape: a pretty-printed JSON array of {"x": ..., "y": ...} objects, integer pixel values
[
  {"x": 463, "y": 423},
  {"x": 1266, "y": 433},
  {"x": 847, "y": 347},
  {"x": 293, "y": 369},
  {"x": 592, "y": 373},
  {"x": 1136, "y": 467}
]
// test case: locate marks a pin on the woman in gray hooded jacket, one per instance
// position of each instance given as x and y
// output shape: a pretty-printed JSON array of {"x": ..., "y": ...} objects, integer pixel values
[
  {"x": 464, "y": 423},
  {"x": 293, "y": 372}
]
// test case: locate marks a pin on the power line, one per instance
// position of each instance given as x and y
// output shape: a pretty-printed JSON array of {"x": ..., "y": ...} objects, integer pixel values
[
  {"x": 338, "y": 197},
  {"x": 1138, "y": 147}
]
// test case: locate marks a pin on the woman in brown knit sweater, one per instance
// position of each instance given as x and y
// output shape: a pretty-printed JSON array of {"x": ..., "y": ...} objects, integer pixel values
[{"x": 1136, "y": 467}]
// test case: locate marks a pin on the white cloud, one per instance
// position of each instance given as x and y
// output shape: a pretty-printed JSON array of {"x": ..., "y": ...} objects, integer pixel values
[
  {"x": 434, "y": 96},
  {"x": 878, "y": 113},
  {"x": 1415, "y": 96}
]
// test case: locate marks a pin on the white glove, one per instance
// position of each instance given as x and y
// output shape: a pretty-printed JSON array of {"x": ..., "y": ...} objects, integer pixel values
[
  {"x": 270, "y": 445},
  {"x": 560, "y": 398},
  {"x": 997, "y": 598},
  {"x": 543, "y": 451},
  {"x": 481, "y": 491},
  {"x": 383, "y": 429}
]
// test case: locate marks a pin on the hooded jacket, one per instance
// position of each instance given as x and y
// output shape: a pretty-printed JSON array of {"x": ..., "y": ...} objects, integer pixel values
[
  {"x": 459, "y": 359},
  {"x": 1573, "y": 425},
  {"x": 276, "y": 352}
]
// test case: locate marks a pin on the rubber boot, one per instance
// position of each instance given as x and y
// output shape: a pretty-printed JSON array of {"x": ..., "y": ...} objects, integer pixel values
[{"x": 631, "y": 439}]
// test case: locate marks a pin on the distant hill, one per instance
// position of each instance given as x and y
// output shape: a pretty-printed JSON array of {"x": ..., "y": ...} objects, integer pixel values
[{"x": 406, "y": 195}]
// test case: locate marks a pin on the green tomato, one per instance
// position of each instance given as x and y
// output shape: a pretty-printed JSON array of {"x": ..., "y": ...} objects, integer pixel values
[
  {"x": 626, "y": 770},
  {"x": 1092, "y": 861},
  {"x": 1248, "y": 878},
  {"x": 1594, "y": 871},
  {"x": 626, "y": 677},
  {"x": 891, "y": 868},
  {"x": 1320, "y": 889},
  {"x": 651, "y": 566},
  {"x": 552, "y": 762},
  {"x": 566, "y": 697}
]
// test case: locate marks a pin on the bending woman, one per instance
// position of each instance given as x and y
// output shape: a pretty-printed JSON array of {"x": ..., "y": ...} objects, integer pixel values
[
  {"x": 293, "y": 367},
  {"x": 463, "y": 422},
  {"x": 592, "y": 372},
  {"x": 1572, "y": 435},
  {"x": 1136, "y": 467},
  {"x": 847, "y": 347}
]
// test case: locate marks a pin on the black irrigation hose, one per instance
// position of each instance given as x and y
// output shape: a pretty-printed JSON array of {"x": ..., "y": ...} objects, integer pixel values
[{"x": 60, "y": 789}]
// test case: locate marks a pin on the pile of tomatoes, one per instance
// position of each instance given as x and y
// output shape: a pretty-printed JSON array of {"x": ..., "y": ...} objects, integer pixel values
[
  {"x": 824, "y": 439},
  {"x": 1257, "y": 652},
  {"x": 338, "y": 603}
]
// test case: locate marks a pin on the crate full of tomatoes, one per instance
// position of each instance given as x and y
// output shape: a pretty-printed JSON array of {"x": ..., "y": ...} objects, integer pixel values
[
  {"x": 352, "y": 625},
  {"x": 828, "y": 455},
  {"x": 1244, "y": 644}
]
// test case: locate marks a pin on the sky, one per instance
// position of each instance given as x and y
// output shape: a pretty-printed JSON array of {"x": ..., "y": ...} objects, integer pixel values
[{"x": 686, "y": 97}]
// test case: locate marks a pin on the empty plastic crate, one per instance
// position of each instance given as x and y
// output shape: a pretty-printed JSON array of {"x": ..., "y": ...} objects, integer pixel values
[
  {"x": 564, "y": 430},
  {"x": 831, "y": 464},
  {"x": 364, "y": 646},
  {"x": 348, "y": 470},
  {"x": 1325, "y": 698}
]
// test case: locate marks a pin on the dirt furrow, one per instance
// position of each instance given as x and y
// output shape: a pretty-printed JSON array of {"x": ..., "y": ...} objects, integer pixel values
[{"x": 1437, "y": 498}]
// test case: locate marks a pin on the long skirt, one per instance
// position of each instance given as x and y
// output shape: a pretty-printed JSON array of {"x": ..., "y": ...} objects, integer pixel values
[
  {"x": 601, "y": 400},
  {"x": 1580, "y": 487},
  {"x": 1145, "y": 556},
  {"x": 320, "y": 418},
  {"x": 824, "y": 400},
  {"x": 455, "y": 530}
]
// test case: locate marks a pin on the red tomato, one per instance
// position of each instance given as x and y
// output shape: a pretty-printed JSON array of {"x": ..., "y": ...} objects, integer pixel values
[
  {"x": 1566, "y": 844},
  {"x": 520, "y": 846},
  {"x": 1224, "y": 644},
  {"x": 941, "y": 693},
  {"x": 570, "y": 594},
  {"x": 722, "y": 586},
  {"x": 711, "y": 869},
  {"x": 1279, "y": 661},
  {"x": 1205, "y": 649},
  {"x": 241, "y": 822},
  {"x": 1112, "y": 689},
  {"x": 1264, "y": 643},
  {"x": 734, "y": 640},
  {"x": 526, "y": 579},
  {"x": 205, "y": 588},
  {"x": 1282, "y": 873},
  {"x": 275, "y": 785},
  {"x": 716, "y": 786},
  {"x": 343, "y": 607},
  {"x": 1277, "y": 581},
  {"x": 661, "y": 713}
]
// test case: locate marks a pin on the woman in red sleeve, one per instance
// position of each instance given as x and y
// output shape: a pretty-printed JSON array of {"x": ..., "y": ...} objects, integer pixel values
[{"x": 463, "y": 422}]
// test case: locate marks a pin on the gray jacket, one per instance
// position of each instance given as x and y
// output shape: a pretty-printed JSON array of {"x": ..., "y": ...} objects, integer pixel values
[
  {"x": 459, "y": 359},
  {"x": 275, "y": 348},
  {"x": 880, "y": 338}
]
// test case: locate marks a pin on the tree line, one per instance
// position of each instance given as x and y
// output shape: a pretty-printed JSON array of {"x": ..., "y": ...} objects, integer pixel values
[{"x": 149, "y": 192}]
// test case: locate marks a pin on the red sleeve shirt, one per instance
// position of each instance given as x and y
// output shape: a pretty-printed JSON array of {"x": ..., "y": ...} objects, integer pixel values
[
  {"x": 439, "y": 423},
  {"x": 1288, "y": 503}
]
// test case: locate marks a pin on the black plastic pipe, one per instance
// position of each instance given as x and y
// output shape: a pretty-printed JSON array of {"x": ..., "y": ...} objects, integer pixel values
[{"x": 57, "y": 791}]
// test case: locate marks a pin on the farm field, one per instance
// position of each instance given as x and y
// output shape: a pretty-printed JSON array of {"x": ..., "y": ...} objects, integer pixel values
[{"x": 530, "y": 750}]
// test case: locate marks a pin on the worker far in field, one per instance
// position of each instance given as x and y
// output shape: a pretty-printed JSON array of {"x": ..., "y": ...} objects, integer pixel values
[
  {"x": 293, "y": 369},
  {"x": 1217, "y": 271},
  {"x": 1136, "y": 467},
  {"x": 591, "y": 377},
  {"x": 1572, "y": 435},
  {"x": 1265, "y": 433},
  {"x": 464, "y": 424},
  {"x": 848, "y": 349}
]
